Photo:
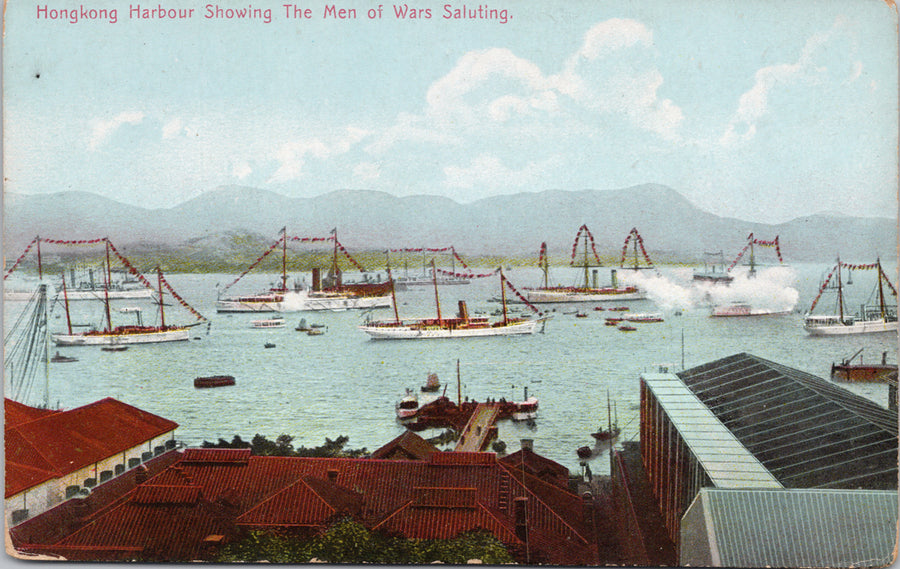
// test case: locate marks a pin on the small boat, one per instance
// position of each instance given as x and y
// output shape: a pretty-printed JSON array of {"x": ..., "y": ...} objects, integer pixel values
[
  {"x": 584, "y": 452},
  {"x": 618, "y": 308},
  {"x": 645, "y": 317},
  {"x": 316, "y": 325},
  {"x": 598, "y": 308},
  {"x": 432, "y": 383},
  {"x": 314, "y": 332},
  {"x": 606, "y": 434},
  {"x": 268, "y": 345},
  {"x": 626, "y": 328},
  {"x": 114, "y": 348},
  {"x": 213, "y": 381},
  {"x": 267, "y": 323},
  {"x": 59, "y": 359},
  {"x": 580, "y": 315},
  {"x": 612, "y": 431},
  {"x": 303, "y": 326}
]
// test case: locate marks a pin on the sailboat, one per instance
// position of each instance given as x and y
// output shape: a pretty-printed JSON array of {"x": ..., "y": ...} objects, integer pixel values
[
  {"x": 460, "y": 326},
  {"x": 330, "y": 293},
  {"x": 129, "y": 334},
  {"x": 870, "y": 319},
  {"x": 589, "y": 290}
]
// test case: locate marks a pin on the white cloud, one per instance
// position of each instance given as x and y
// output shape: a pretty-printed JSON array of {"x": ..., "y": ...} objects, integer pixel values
[
  {"x": 487, "y": 172},
  {"x": 366, "y": 172},
  {"x": 103, "y": 129},
  {"x": 292, "y": 156},
  {"x": 172, "y": 128},
  {"x": 612, "y": 35}
]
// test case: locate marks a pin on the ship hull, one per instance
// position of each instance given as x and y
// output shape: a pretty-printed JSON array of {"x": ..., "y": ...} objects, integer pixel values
[
  {"x": 14, "y": 295},
  {"x": 545, "y": 296},
  {"x": 111, "y": 339},
  {"x": 862, "y": 327},
  {"x": 421, "y": 332},
  {"x": 302, "y": 301}
]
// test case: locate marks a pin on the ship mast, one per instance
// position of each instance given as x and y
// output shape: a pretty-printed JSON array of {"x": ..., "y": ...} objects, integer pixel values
[
  {"x": 387, "y": 254},
  {"x": 840, "y": 292},
  {"x": 880, "y": 291},
  {"x": 335, "y": 270},
  {"x": 66, "y": 303},
  {"x": 437, "y": 301},
  {"x": 752, "y": 260},
  {"x": 503, "y": 295},
  {"x": 106, "y": 288},
  {"x": 40, "y": 267},
  {"x": 162, "y": 315},
  {"x": 586, "y": 279},
  {"x": 545, "y": 265},
  {"x": 284, "y": 258}
]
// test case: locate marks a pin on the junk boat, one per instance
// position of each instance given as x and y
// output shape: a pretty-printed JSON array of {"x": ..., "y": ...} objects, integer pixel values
[
  {"x": 131, "y": 334},
  {"x": 875, "y": 373},
  {"x": 589, "y": 290},
  {"x": 869, "y": 320},
  {"x": 462, "y": 326},
  {"x": 330, "y": 293},
  {"x": 612, "y": 431},
  {"x": 214, "y": 381},
  {"x": 432, "y": 383}
]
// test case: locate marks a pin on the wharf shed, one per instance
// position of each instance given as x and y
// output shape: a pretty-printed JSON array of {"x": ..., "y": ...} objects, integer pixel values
[{"x": 738, "y": 446}]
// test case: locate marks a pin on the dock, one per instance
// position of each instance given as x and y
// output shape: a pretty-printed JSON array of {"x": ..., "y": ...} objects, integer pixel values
[{"x": 480, "y": 429}]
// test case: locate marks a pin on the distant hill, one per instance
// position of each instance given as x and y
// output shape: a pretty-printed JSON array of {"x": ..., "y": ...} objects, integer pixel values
[{"x": 670, "y": 225}]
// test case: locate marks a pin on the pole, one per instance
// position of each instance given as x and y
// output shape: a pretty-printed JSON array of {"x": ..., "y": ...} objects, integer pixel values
[
  {"x": 393, "y": 292},
  {"x": 437, "y": 301},
  {"x": 40, "y": 266},
  {"x": 66, "y": 304},
  {"x": 840, "y": 291},
  {"x": 880, "y": 291},
  {"x": 106, "y": 288},
  {"x": 458, "y": 386},
  {"x": 284, "y": 258},
  {"x": 162, "y": 315},
  {"x": 503, "y": 296}
]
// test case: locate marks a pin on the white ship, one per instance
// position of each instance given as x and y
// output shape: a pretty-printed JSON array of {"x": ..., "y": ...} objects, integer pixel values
[
  {"x": 869, "y": 320},
  {"x": 461, "y": 326},
  {"x": 739, "y": 309}
]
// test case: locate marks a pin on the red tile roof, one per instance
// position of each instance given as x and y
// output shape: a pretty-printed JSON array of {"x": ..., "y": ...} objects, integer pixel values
[
  {"x": 436, "y": 499},
  {"x": 408, "y": 446},
  {"x": 59, "y": 443},
  {"x": 15, "y": 413}
]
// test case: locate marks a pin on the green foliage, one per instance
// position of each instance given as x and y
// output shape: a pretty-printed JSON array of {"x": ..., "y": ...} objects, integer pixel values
[
  {"x": 347, "y": 541},
  {"x": 282, "y": 446}
]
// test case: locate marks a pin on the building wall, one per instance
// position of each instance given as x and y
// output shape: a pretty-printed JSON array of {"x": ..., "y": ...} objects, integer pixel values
[
  {"x": 674, "y": 473},
  {"x": 56, "y": 491}
]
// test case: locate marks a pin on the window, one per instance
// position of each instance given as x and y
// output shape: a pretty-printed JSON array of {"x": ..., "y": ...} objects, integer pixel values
[
  {"x": 132, "y": 462},
  {"x": 105, "y": 475},
  {"x": 90, "y": 482},
  {"x": 72, "y": 491}
]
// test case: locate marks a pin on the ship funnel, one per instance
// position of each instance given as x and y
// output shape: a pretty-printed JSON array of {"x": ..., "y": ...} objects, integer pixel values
[
  {"x": 594, "y": 279},
  {"x": 316, "y": 279},
  {"x": 463, "y": 311}
]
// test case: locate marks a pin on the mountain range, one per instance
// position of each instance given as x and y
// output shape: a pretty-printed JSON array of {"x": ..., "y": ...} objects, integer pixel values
[{"x": 670, "y": 225}]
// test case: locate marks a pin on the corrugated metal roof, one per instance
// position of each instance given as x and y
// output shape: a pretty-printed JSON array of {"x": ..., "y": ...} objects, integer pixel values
[
  {"x": 801, "y": 528},
  {"x": 807, "y": 431},
  {"x": 724, "y": 459}
]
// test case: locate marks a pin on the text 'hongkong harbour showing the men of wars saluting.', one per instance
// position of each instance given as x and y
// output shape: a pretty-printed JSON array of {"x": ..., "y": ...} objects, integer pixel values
[{"x": 286, "y": 12}]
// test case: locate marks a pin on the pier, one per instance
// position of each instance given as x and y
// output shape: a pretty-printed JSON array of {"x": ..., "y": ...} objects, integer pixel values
[{"x": 478, "y": 431}]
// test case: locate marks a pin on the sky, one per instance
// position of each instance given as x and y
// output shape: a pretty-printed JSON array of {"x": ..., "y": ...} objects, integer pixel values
[{"x": 764, "y": 111}]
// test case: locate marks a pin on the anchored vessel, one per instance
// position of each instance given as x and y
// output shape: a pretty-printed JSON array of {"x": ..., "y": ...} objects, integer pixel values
[
  {"x": 870, "y": 319},
  {"x": 330, "y": 293},
  {"x": 589, "y": 290},
  {"x": 461, "y": 326}
]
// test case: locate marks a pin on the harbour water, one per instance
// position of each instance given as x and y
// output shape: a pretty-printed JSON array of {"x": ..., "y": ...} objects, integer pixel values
[{"x": 343, "y": 383}]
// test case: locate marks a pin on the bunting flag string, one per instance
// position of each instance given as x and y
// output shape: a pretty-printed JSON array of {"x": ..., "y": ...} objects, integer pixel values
[
  {"x": 422, "y": 250},
  {"x": 859, "y": 267},
  {"x": 22, "y": 256},
  {"x": 519, "y": 295},
  {"x": 886, "y": 280},
  {"x": 751, "y": 240},
  {"x": 822, "y": 289},
  {"x": 469, "y": 275},
  {"x": 310, "y": 239},
  {"x": 349, "y": 256},
  {"x": 129, "y": 266},
  {"x": 458, "y": 258},
  {"x": 75, "y": 241},
  {"x": 633, "y": 234},
  {"x": 588, "y": 236},
  {"x": 183, "y": 303},
  {"x": 255, "y": 263}
]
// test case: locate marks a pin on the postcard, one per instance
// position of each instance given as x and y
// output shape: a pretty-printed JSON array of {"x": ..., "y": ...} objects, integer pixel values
[{"x": 539, "y": 282}]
